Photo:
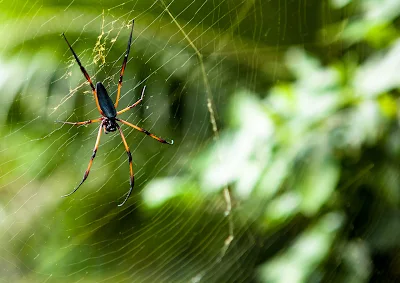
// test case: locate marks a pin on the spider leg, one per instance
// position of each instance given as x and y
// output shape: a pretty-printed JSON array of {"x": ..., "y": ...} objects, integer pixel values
[
  {"x": 121, "y": 75},
  {"x": 134, "y": 104},
  {"x": 132, "y": 177},
  {"x": 96, "y": 146},
  {"x": 145, "y": 131},
  {"x": 85, "y": 74},
  {"x": 80, "y": 123}
]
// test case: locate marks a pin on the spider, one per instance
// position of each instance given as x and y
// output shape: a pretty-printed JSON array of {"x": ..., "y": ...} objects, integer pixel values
[{"x": 108, "y": 120}]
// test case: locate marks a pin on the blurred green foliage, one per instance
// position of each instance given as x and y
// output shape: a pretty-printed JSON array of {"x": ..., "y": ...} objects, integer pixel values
[{"x": 305, "y": 97}]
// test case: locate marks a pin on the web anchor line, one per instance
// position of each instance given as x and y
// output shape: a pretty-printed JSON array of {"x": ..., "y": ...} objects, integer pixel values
[{"x": 227, "y": 195}]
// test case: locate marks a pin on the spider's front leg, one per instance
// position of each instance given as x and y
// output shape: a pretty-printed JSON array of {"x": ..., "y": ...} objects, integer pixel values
[
  {"x": 96, "y": 146},
  {"x": 132, "y": 177},
  {"x": 81, "y": 123}
]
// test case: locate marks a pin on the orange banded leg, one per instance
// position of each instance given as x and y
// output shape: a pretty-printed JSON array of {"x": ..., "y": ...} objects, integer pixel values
[
  {"x": 83, "y": 70},
  {"x": 134, "y": 104},
  {"x": 96, "y": 146},
  {"x": 80, "y": 123},
  {"x": 132, "y": 177},
  {"x": 121, "y": 75},
  {"x": 145, "y": 131}
]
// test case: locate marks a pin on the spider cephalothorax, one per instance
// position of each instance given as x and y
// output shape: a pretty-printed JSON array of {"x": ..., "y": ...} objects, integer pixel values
[
  {"x": 108, "y": 119},
  {"x": 110, "y": 125}
]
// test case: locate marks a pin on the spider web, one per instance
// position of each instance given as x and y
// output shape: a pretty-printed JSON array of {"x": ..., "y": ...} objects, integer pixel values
[{"x": 193, "y": 56}]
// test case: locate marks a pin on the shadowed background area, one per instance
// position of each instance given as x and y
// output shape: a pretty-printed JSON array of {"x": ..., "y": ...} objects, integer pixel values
[{"x": 285, "y": 163}]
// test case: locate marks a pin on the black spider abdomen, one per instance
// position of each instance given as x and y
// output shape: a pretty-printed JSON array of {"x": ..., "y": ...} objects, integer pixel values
[{"x": 105, "y": 102}]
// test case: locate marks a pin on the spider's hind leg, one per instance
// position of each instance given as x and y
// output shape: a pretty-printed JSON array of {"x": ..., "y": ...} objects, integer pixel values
[
  {"x": 146, "y": 132},
  {"x": 134, "y": 104},
  {"x": 121, "y": 75}
]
